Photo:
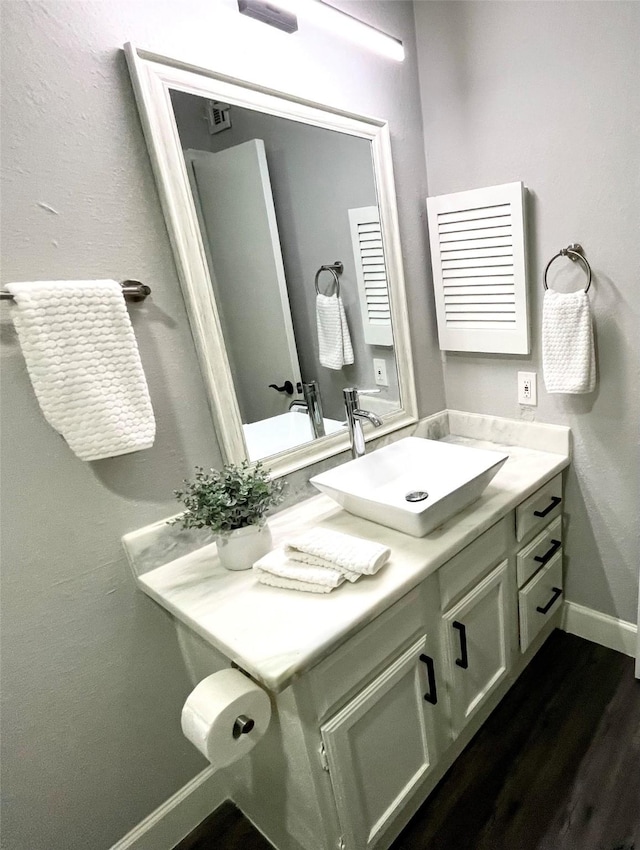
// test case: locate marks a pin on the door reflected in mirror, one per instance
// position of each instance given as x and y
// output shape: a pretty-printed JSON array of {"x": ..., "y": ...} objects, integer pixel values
[{"x": 277, "y": 199}]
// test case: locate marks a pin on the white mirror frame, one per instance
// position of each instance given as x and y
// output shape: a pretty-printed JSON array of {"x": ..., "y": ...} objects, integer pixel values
[{"x": 153, "y": 79}]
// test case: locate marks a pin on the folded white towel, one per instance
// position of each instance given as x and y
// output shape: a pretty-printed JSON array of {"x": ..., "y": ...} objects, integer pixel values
[
  {"x": 276, "y": 563},
  {"x": 83, "y": 361},
  {"x": 292, "y": 584},
  {"x": 334, "y": 341},
  {"x": 568, "y": 355},
  {"x": 352, "y": 556}
]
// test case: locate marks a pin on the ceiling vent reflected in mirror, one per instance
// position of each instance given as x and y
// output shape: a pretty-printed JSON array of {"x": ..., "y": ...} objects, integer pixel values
[{"x": 217, "y": 115}]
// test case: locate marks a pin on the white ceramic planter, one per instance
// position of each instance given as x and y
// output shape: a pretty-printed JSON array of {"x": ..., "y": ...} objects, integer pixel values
[{"x": 239, "y": 549}]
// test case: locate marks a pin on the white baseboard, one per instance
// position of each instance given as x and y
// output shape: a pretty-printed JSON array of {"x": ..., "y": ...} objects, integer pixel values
[
  {"x": 164, "y": 828},
  {"x": 599, "y": 628}
]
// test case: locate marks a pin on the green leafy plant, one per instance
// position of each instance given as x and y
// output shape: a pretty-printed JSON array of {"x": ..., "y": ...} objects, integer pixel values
[{"x": 234, "y": 497}]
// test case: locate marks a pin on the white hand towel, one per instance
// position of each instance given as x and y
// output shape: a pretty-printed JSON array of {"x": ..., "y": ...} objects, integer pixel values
[
  {"x": 334, "y": 342},
  {"x": 292, "y": 584},
  {"x": 568, "y": 355},
  {"x": 352, "y": 556},
  {"x": 83, "y": 361},
  {"x": 276, "y": 563}
]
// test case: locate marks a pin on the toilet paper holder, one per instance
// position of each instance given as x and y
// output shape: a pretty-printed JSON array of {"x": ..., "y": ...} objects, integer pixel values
[
  {"x": 242, "y": 726},
  {"x": 225, "y": 716}
]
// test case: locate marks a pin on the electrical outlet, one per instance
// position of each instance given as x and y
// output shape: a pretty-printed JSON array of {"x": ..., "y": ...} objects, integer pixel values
[
  {"x": 380, "y": 372},
  {"x": 527, "y": 388}
]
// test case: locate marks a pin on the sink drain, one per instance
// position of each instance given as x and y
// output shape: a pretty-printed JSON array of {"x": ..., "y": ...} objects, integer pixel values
[{"x": 416, "y": 496}]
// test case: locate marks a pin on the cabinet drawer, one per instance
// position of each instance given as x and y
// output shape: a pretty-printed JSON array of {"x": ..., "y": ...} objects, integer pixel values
[
  {"x": 365, "y": 653},
  {"x": 536, "y": 511},
  {"x": 540, "y": 551},
  {"x": 540, "y": 600},
  {"x": 467, "y": 567}
]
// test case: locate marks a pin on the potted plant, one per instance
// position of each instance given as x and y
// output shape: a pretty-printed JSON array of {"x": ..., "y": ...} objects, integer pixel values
[{"x": 232, "y": 502}]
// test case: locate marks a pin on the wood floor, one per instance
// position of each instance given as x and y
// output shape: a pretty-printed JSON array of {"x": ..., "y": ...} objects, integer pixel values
[{"x": 556, "y": 767}]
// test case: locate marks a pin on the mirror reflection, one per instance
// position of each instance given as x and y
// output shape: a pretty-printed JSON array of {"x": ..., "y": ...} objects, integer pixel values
[{"x": 290, "y": 226}]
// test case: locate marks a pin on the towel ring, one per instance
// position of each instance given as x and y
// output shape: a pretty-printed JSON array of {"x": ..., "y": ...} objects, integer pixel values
[
  {"x": 335, "y": 269},
  {"x": 574, "y": 252}
]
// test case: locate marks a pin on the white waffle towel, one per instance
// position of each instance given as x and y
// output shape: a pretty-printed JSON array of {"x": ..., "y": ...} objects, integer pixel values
[
  {"x": 83, "y": 361},
  {"x": 276, "y": 565},
  {"x": 568, "y": 355},
  {"x": 334, "y": 342},
  {"x": 352, "y": 556},
  {"x": 293, "y": 584}
]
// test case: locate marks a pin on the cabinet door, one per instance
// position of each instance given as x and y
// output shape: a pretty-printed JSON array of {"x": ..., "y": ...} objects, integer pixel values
[
  {"x": 478, "y": 645},
  {"x": 380, "y": 746}
]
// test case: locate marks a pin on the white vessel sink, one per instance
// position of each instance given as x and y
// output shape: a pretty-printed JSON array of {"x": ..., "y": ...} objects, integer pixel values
[{"x": 442, "y": 477}]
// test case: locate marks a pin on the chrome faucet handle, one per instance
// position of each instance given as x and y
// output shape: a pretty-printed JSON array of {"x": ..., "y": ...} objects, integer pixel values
[{"x": 369, "y": 392}]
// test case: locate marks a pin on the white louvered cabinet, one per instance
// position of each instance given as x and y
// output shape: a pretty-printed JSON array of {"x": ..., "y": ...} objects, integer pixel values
[
  {"x": 371, "y": 274},
  {"x": 479, "y": 269}
]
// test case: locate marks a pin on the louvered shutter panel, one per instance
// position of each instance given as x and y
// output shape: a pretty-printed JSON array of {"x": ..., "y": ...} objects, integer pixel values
[
  {"x": 479, "y": 269},
  {"x": 371, "y": 274}
]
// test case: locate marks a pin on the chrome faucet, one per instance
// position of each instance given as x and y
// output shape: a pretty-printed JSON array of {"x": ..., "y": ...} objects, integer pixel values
[
  {"x": 354, "y": 419},
  {"x": 313, "y": 405}
]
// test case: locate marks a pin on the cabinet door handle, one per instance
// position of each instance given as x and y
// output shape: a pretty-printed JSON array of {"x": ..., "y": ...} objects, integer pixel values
[
  {"x": 548, "y": 555},
  {"x": 463, "y": 661},
  {"x": 555, "y": 500},
  {"x": 557, "y": 591},
  {"x": 432, "y": 695}
]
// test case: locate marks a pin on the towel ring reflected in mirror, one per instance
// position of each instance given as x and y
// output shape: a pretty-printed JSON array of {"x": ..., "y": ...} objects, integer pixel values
[
  {"x": 574, "y": 252},
  {"x": 335, "y": 269}
]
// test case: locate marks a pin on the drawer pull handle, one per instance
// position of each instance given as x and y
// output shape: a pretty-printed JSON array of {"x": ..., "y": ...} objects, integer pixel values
[
  {"x": 555, "y": 500},
  {"x": 557, "y": 591},
  {"x": 432, "y": 695},
  {"x": 548, "y": 555},
  {"x": 463, "y": 661}
]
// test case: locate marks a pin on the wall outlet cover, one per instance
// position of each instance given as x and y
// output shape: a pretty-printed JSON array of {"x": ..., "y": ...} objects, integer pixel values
[
  {"x": 528, "y": 388},
  {"x": 380, "y": 372}
]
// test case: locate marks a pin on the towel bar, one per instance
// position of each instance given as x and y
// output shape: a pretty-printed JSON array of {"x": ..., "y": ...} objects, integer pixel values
[
  {"x": 574, "y": 252},
  {"x": 335, "y": 269},
  {"x": 132, "y": 290}
]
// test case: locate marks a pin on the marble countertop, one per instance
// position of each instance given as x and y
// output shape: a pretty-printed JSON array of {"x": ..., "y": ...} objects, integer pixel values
[{"x": 275, "y": 634}]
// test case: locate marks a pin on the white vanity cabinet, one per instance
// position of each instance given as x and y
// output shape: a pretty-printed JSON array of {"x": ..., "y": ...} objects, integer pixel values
[
  {"x": 430, "y": 671},
  {"x": 377, "y": 688}
]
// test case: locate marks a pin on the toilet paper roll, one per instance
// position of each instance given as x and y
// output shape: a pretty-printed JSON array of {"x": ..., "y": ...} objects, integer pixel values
[{"x": 225, "y": 716}]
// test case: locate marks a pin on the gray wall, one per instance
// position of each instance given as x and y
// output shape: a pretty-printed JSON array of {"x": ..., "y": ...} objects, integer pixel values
[
  {"x": 548, "y": 93},
  {"x": 92, "y": 677},
  {"x": 316, "y": 176}
]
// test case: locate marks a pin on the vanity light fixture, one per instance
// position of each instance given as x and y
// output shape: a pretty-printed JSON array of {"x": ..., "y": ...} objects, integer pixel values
[
  {"x": 268, "y": 13},
  {"x": 328, "y": 17}
]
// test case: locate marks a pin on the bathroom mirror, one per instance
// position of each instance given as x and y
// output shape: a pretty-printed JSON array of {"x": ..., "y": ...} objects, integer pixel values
[{"x": 260, "y": 190}]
